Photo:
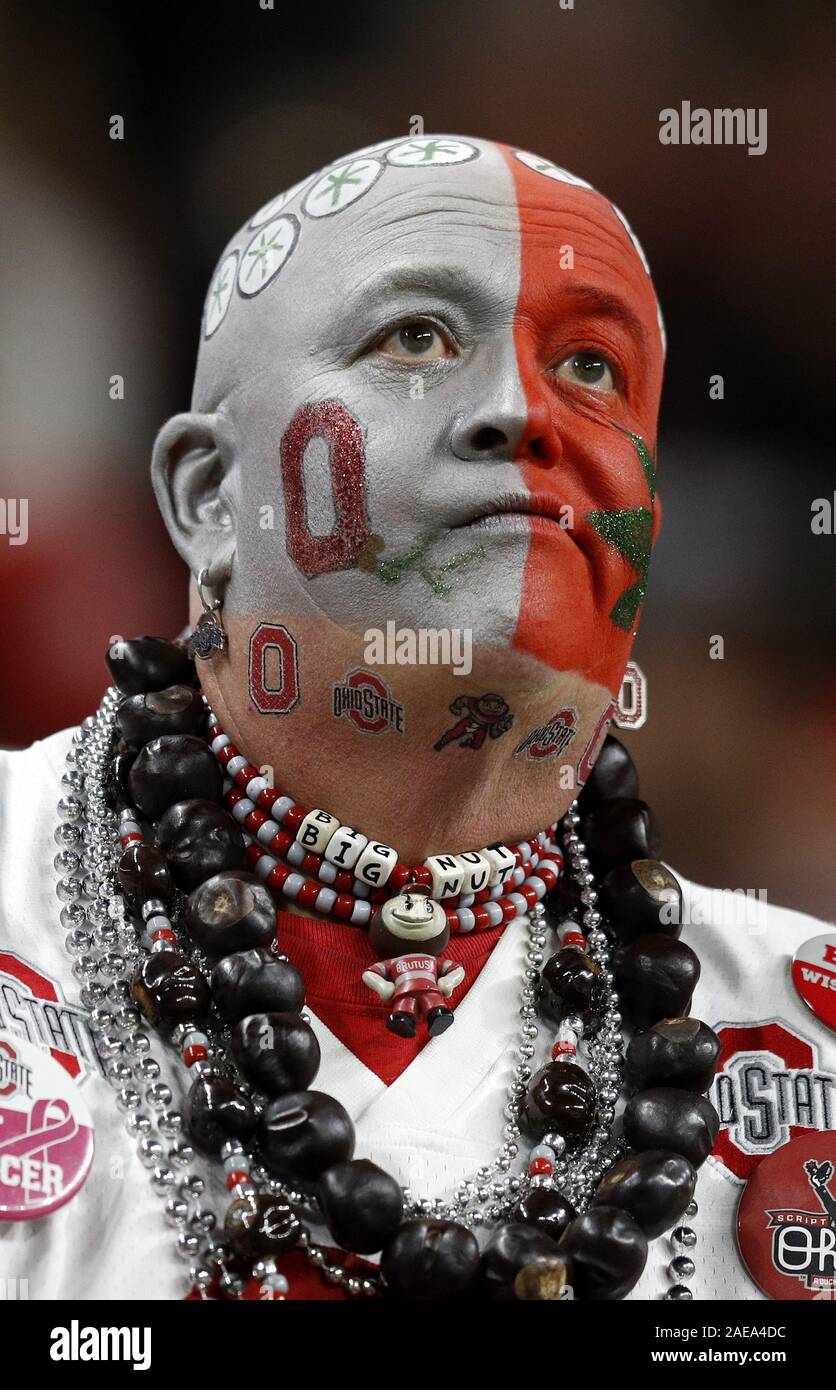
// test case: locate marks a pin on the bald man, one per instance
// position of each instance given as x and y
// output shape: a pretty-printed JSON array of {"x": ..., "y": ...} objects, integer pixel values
[{"x": 425, "y": 401}]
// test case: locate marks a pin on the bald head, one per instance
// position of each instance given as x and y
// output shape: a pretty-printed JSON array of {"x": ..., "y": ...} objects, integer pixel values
[{"x": 391, "y": 212}]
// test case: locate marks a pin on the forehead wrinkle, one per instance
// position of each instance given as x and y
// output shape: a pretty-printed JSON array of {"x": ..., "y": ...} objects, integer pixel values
[
  {"x": 454, "y": 282},
  {"x": 607, "y": 229}
]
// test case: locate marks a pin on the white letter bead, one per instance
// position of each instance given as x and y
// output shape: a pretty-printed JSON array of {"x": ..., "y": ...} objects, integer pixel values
[
  {"x": 375, "y": 864},
  {"x": 345, "y": 847},
  {"x": 447, "y": 872},
  {"x": 316, "y": 830},
  {"x": 503, "y": 862},
  {"x": 477, "y": 870}
]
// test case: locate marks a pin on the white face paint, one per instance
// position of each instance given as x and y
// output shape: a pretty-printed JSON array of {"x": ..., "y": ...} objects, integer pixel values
[{"x": 371, "y": 242}]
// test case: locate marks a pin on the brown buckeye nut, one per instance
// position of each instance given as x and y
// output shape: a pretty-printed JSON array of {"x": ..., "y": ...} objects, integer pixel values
[
  {"x": 169, "y": 989},
  {"x": 564, "y": 901},
  {"x": 173, "y": 768},
  {"x": 656, "y": 977},
  {"x": 545, "y": 1209},
  {"x": 654, "y": 1187},
  {"x": 362, "y": 1205},
  {"x": 641, "y": 896},
  {"x": 303, "y": 1133},
  {"x": 624, "y": 828},
  {"x": 148, "y": 663},
  {"x": 230, "y": 912},
  {"x": 216, "y": 1109},
  {"x": 572, "y": 983},
  {"x": 199, "y": 839},
  {"x": 614, "y": 775},
  {"x": 510, "y": 1248},
  {"x": 143, "y": 873},
  {"x": 177, "y": 710},
  {"x": 667, "y": 1118},
  {"x": 116, "y": 791},
  {"x": 608, "y": 1250},
  {"x": 430, "y": 1260},
  {"x": 276, "y": 1052},
  {"x": 254, "y": 982},
  {"x": 260, "y": 1224},
  {"x": 561, "y": 1097},
  {"x": 679, "y": 1052},
  {"x": 545, "y": 1280}
]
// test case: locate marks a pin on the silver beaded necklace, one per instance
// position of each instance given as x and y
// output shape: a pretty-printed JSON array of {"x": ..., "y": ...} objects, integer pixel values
[{"x": 106, "y": 949}]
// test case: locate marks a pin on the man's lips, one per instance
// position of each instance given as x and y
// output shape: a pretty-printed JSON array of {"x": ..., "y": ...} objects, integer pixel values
[{"x": 523, "y": 511}]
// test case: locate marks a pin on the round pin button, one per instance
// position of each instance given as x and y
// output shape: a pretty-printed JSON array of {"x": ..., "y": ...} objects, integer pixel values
[
  {"x": 814, "y": 976},
  {"x": 46, "y": 1133},
  {"x": 786, "y": 1220}
]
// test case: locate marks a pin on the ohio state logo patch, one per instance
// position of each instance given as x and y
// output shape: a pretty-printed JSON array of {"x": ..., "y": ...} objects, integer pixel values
[
  {"x": 32, "y": 1008},
  {"x": 769, "y": 1089},
  {"x": 551, "y": 738},
  {"x": 367, "y": 701}
]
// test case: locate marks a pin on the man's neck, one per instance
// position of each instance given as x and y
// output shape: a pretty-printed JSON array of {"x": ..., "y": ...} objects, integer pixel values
[{"x": 412, "y": 789}]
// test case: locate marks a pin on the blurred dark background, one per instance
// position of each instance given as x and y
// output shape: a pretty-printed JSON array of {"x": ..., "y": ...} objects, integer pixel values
[{"x": 106, "y": 248}]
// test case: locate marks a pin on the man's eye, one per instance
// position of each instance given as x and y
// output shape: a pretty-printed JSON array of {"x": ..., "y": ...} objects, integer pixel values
[
  {"x": 587, "y": 369},
  {"x": 417, "y": 341}
]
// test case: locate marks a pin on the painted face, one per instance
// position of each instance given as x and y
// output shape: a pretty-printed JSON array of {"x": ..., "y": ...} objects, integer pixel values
[
  {"x": 433, "y": 373},
  {"x": 440, "y": 363}
]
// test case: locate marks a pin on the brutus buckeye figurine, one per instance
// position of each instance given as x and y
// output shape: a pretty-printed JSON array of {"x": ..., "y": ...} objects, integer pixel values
[{"x": 411, "y": 932}]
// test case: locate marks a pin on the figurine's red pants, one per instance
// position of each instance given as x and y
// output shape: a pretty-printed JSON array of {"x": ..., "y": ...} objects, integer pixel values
[{"x": 419, "y": 1003}]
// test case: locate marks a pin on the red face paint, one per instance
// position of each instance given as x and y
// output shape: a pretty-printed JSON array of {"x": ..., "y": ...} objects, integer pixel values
[{"x": 582, "y": 587}]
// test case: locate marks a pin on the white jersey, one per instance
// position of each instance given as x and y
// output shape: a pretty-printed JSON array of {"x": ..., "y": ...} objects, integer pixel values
[{"x": 438, "y": 1122}]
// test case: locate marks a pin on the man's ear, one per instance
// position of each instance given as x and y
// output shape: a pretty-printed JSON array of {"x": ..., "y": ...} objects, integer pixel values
[{"x": 190, "y": 472}]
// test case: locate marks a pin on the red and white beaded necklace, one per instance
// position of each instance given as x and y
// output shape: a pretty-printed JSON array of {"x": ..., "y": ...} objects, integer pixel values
[{"x": 336, "y": 871}]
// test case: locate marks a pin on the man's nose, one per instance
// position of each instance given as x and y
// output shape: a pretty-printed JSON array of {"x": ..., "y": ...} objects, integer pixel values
[{"x": 504, "y": 424}]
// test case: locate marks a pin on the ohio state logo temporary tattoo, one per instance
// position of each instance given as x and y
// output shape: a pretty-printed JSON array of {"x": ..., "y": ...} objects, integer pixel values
[
  {"x": 347, "y": 541},
  {"x": 273, "y": 669},
  {"x": 32, "y": 1007},
  {"x": 786, "y": 1221},
  {"x": 551, "y": 738},
  {"x": 478, "y": 717},
  {"x": 367, "y": 701},
  {"x": 769, "y": 1088}
]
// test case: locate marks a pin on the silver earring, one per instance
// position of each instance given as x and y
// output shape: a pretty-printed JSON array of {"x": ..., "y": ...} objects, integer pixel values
[{"x": 208, "y": 635}]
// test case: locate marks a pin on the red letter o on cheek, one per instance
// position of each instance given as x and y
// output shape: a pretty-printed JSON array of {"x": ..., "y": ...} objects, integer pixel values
[{"x": 343, "y": 547}]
